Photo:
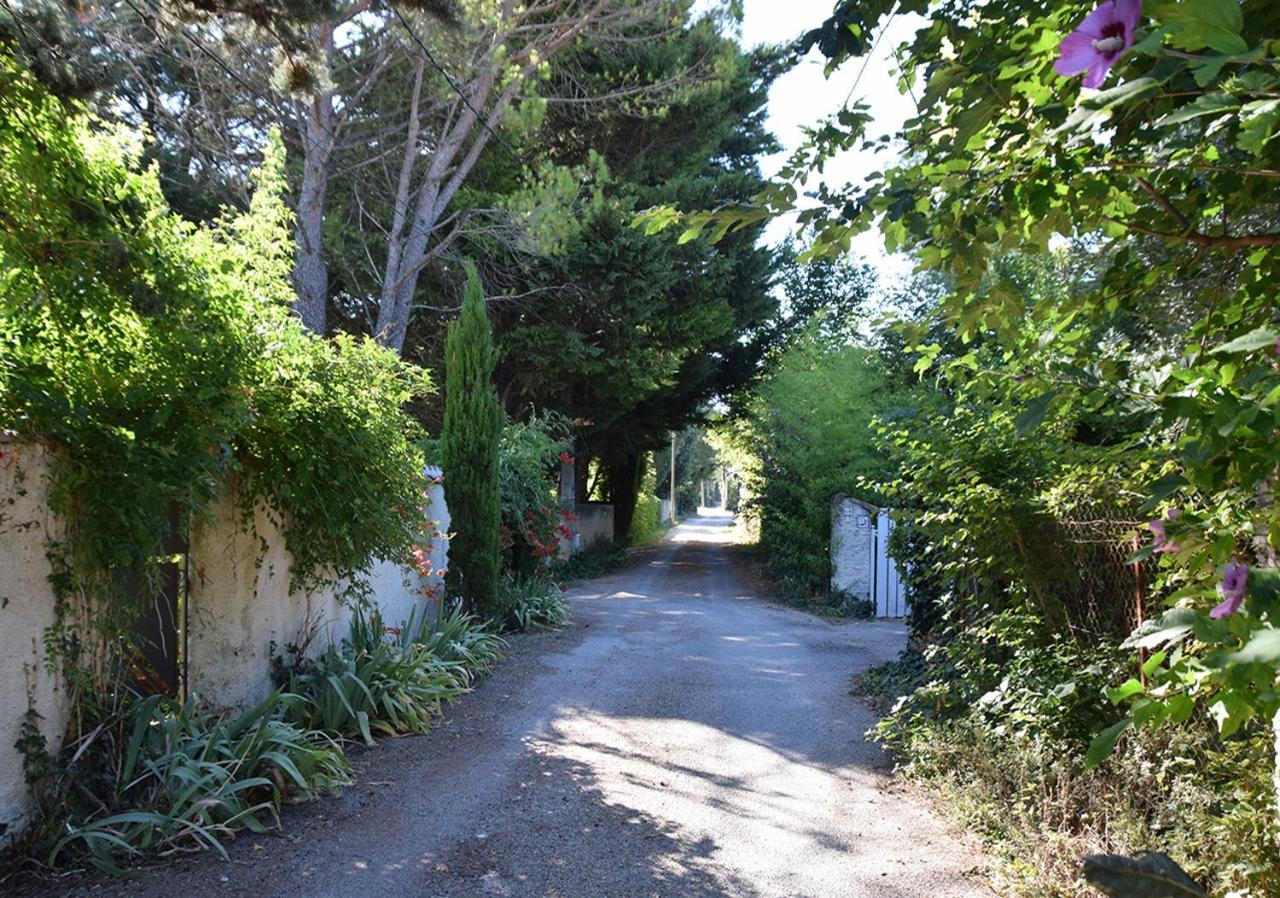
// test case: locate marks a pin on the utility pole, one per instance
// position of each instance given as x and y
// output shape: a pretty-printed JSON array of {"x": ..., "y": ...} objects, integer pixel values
[{"x": 673, "y": 476}]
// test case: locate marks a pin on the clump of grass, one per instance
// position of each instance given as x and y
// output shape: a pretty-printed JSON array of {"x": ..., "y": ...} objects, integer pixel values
[
  {"x": 459, "y": 639},
  {"x": 391, "y": 680}
]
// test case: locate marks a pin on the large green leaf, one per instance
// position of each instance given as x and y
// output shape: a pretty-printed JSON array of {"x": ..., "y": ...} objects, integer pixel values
[
  {"x": 1105, "y": 743},
  {"x": 1262, "y": 648},
  {"x": 1257, "y": 338},
  {"x": 1206, "y": 23},
  {"x": 1153, "y": 875},
  {"x": 1172, "y": 625}
]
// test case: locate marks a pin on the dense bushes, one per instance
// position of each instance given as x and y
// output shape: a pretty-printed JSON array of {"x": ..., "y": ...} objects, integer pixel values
[
  {"x": 1019, "y": 545},
  {"x": 533, "y": 524},
  {"x": 600, "y": 558},
  {"x": 1011, "y": 762},
  {"x": 647, "y": 525},
  {"x": 159, "y": 357}
]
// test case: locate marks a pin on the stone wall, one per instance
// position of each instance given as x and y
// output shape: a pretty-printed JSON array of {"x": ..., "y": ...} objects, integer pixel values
[{"x": 852, "y": 547}]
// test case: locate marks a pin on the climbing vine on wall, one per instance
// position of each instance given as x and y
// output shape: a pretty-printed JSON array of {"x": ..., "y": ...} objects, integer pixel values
[{"x": 157, "y": 359}]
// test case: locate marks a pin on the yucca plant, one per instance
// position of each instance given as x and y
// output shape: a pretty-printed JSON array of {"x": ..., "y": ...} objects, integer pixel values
[
  {"x": 375, "y": 682},
  {"x": 457, "y": 638},
  {"x": 534, "y": 603},
  {"x": 188, "y": 780}
]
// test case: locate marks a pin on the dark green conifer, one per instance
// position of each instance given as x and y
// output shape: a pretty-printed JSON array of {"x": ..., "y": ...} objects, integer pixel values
[{"x": 473, "y": 421}]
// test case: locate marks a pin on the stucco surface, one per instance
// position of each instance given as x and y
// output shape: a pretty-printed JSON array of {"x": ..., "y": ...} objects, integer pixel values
[
  {"x": 26, "y": 612},
  {"x": 241, "y": 606},
  {"x": 595, "y": 522}
]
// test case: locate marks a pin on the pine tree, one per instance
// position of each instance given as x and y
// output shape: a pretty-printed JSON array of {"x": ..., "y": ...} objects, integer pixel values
[{"x": 473, "y": 421}]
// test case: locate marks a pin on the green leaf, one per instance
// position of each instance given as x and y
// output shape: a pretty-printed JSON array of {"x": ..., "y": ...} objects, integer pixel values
[
  {"x": 1153, "y": 875},
  {"x": 1169, "y": 627},
  {"x": 1262, "y": 648},
  {"x": 1206, "y": 23},
  {"x": 1105, "y": 743},
  {"x": 1127, "y": 689},
  {"x": 1254, "y": 340},
  {"x": 1034, "y": 412},
  {"x": 1258, "y": 122},
  {"x": 1207, "y": 104},
  {"x": 1123, "y": 92},
  {"x": 1153, "y": 663},
  {"x": 1230, "y": 711}
]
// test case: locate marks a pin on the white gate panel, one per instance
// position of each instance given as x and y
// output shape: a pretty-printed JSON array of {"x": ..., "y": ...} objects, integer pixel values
[{"x": 887, "y": 588}]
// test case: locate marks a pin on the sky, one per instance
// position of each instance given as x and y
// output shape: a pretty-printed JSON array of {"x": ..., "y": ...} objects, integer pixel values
[{"x": 803, "y": 96}]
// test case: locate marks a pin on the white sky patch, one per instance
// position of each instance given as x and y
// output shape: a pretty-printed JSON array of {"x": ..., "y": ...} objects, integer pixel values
[{"x": 804, "y": 96}]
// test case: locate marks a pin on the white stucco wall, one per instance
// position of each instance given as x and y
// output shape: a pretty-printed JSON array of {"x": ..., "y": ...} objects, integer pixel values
[
  {"x": 26, "y": 612},
  {"x": 595, "y": 522},
  {"x": 239, "y": 602},
  {"x": 398, "y": 591}
]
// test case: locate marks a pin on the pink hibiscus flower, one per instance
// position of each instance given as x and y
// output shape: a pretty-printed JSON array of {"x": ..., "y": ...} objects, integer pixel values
[
  {"x": 1162, "y": 543},
  {"x": 1099, "y": 42},
  {"x": 1233, "y": 588}
]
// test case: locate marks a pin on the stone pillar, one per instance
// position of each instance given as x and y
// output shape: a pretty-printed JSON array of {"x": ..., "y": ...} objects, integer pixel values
[
  {"x": 852, "y": 547},
  {"x": 568, "y": 504}
]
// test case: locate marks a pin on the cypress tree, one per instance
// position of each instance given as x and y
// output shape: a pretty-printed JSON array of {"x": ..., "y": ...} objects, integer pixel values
[{"x": 473, "y": 421}]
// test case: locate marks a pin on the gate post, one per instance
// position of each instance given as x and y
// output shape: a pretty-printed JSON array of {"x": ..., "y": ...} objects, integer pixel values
[{"x": 852, "y": 547}]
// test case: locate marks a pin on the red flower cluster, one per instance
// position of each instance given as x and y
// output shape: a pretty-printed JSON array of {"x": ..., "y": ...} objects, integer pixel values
[
  {"x": 420, "y": 556},
  {"x": 541, "y": 531}
]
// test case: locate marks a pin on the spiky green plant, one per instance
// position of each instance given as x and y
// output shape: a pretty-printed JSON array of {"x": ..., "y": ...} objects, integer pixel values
[
  {"x": 534, "y": 603},
  {"x": 189, "y": 779},
  {"x": 373, "y": 682},
  {"x": 456, "y": 638}
]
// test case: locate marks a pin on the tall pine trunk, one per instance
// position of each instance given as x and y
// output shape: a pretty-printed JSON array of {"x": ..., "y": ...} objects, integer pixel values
[{"x": 310, "y": 271}]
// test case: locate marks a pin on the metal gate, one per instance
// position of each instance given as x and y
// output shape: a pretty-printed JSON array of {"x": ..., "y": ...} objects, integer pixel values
[{"x": 887, "y": 590}]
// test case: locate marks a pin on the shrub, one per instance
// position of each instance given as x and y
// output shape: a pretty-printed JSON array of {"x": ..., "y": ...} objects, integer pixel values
[
  {"x": 647, "y": 525},
  {"x": 473, "y": 421},
  {"x": 532, "y": 519},
  {"x": 534, "y": 602},
  {"x": 808, "y": 427},
  {"x": 600, "y": 558},
  {"x": 159, "y": 358},
  {"x": 186, "y": 779}
]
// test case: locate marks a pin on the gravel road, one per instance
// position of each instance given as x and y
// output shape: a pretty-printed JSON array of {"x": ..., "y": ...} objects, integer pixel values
[{"x": 681, "y": 738}]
